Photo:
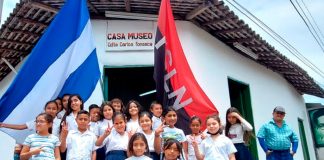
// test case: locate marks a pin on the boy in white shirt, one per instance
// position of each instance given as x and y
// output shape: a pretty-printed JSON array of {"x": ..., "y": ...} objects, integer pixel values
[
  {"x": 94, "y": 111},
  {"x": 80, "y": 144},
  {"x": 156, "y": 109}
]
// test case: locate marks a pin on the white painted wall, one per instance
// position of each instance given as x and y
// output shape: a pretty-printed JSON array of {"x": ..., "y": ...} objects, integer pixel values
[{"x": 212, "y": 62}]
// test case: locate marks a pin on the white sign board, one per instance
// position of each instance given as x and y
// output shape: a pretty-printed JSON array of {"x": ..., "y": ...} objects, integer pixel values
[{"x": 130, "y": 35}]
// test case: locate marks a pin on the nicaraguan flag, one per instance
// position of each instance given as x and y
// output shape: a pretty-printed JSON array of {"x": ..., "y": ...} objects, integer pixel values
[{"x": 63, "y": 61}]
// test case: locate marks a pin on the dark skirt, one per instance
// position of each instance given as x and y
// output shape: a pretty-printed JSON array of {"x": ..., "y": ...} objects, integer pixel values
[
  {"x": 101, "y": 153},
  {"x": 63, "y": 155},
  {"x": 243, "y": 152},
  {"x": 154, "y": 156},
  {"x": 116, "y": 155}
]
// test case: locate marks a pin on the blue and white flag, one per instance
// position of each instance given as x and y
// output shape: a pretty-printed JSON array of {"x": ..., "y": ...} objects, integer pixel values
[{"x": 63, "y": 61}]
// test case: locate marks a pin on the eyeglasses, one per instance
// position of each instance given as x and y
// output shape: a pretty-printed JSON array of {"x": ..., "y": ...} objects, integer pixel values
[{"x": 40, "y": 122}]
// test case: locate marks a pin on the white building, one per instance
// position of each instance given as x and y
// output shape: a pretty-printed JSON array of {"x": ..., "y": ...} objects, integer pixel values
[{"x": 232, "y": 64}]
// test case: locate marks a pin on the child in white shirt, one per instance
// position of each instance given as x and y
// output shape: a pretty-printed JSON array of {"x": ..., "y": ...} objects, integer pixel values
[
  {"x": 156, "y": 110},
  {"x": 138, "y": 148},
  {"x": 115, "y": 138},
  {"x": 215, "y": 146},
  {"x": 80, "y": 144}
]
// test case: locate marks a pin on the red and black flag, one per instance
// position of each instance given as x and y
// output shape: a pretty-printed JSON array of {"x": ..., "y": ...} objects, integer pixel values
[{"x": 175, "y": 84}]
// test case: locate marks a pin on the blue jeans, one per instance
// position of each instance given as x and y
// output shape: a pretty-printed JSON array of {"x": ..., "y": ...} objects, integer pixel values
[{"x": 280, "y": 155}]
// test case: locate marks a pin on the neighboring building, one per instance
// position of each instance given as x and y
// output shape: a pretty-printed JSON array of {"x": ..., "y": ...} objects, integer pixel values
[
  {"x": 316, "y": 116},
  {"x": 232, "y": 64}
]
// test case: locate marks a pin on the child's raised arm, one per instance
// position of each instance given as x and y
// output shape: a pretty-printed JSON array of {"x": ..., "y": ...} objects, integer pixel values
[
  {"x": 157, "y": 138},
  {"x": 103, "y": 137},
  {"x": 13, "y": 126},
  {"x": 199, "y": 156},
  {"x": 63, "y": 136},
  {"x": 247, "y": 126}
]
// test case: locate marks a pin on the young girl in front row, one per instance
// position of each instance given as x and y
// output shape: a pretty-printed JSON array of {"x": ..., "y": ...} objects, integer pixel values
[
  {"x": 138, "y": 147},
  {"x": 172, "y": 150},
  {"x": 168, "y": 130},
  {"x": 236, "y": 129},
  {"x": 145, "y": 122},
  {"x": 42, "y": 144},
  {"x": 116, "y": 140},
  {"x": 106, "y": 114},
  {"x": 215, "y": 146},
  {"x": 196, "y": 135}
]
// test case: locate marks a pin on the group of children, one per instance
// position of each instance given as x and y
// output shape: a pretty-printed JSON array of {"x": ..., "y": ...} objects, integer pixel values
[{"x": 115, "y": 132}]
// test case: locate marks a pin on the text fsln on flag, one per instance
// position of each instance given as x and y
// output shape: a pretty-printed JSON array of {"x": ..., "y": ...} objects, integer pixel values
[{"x": 175, "y": 84}]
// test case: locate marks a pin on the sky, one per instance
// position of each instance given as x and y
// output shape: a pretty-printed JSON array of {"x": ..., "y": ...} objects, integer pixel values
[{"x": 281, "y": 17}]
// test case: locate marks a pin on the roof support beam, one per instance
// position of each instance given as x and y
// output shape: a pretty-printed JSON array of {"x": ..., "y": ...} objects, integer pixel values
[
  {"x": 192, "y": 14},
  {"x": 239, "y": 40},
  {"x": 229, "y": 31},
  {"x": 23, "y": 32},
  {"x": 33, "y": 22},
  {"x": 11, "y": 50},
  {"x": 127, "y": 5},
  {"x": 93, "y": 8},
  {"x": 215, "y": 21},
  {"x": 43, "y": 6},
  {"x": 13, "y": 41}
]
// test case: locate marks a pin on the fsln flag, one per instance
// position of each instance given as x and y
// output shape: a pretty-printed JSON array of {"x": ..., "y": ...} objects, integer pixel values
[
  {"x": 175, "y": 83},
  {"x": 63, "y": 61}
]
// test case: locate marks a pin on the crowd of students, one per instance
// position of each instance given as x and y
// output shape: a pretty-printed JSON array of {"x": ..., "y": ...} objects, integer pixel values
[{"x": 117, "y": 132}]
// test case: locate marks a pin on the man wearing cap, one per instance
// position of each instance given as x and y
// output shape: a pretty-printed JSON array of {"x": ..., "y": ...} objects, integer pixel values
[{"x": 276, "y": 137}]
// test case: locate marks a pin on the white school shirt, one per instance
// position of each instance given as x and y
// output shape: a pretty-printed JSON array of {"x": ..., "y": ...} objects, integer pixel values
[
  {"x": 49, "y": 143},
  {"x": 103, "y": 125},
  {"x": 156, "y": 122},
  {"x": 143, "y": 157},
  {"x": 56, "y": 127},
  {"x": 132, "y": 125},
  {"x": 93, "y": 127},
  {"x": 150, "y": 140},
  {"x": 71, "y": 123},
  {"x": 236, "y": 131},
  {"x": 60, "y": 114},
  {"x": 115, "y": 141},
  {"x": 80, "y": 145},
  {"x": 219, "y": 149},
  {"x": 191, "y": 151}
]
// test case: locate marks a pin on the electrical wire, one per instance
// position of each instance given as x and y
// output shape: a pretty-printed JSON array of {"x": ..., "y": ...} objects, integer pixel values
[
  {"x": 281, "y": 41},
  {"x": 319, "y": 30},
  {"x": 319, "y": 42}
]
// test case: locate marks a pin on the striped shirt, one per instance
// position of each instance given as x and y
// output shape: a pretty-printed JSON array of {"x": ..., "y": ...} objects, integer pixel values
[
  {"x": 277, "y": 138},
  {"x": 49, "y": 143}
]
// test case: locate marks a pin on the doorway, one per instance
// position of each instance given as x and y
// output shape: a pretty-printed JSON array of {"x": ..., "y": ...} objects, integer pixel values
[
  {"x": 129, "y": 83},
  {"x": 240, "y": 98},
  {"x": 303, "y": 139}
]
